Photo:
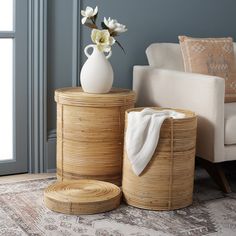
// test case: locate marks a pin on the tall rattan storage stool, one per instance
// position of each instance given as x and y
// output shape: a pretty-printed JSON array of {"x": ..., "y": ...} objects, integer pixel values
[
  {"x": 90, "y": 133},
  {"x": 167, "y": 181}
]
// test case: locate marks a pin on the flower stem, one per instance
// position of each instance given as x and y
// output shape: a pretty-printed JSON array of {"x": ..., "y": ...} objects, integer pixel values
[{"x": 93, "y": 21}]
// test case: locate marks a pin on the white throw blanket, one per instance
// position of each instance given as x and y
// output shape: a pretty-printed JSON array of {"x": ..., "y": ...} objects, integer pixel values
[{"x": 142, "y": 135}]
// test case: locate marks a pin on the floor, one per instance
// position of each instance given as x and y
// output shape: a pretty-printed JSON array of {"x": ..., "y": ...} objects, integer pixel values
[
  {"x": 22, "y": 212},
  {"x": 23, "y": 177}
]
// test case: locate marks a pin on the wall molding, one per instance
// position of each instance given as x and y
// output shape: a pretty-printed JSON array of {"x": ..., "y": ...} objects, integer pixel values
[
  {"x": 37, "y": 77},
  {"x": 42, "y": 143}
]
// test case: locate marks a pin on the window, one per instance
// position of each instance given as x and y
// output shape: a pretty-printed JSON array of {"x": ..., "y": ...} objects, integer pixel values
[
  {"x": 6, "y": 80},
  {"x": 13, "y": 86},
  {"x": 6, "y": 15},
  {"x": 6, "y": 99}
]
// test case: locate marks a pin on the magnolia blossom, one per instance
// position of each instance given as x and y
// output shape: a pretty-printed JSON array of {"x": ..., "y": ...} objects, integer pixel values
[
  {"x": 103, "y": 40},
  {"x": 88, "y": 13},
  {"x": 114, "y": 25}
]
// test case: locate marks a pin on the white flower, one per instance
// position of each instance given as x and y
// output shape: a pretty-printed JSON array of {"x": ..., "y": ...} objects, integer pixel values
[
  {"x": 120, "y": 28},
  {"x": 103, "y": 40},
  {"x": 114, "y": 25},
  {"x": 110, "y": 23},
  {"x": 88, "y": 13}
]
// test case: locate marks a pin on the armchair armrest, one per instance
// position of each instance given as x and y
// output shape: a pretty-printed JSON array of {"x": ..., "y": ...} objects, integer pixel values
[{"x": 196, "y": 92}]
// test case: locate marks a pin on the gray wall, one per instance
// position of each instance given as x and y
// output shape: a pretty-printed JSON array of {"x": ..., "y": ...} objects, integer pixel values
[
  {"x": 148, "y": 21},
  {"x": 161, "y": 21},
  {"x": 59, "y": 65},
  {"x": 59, "y": 51}
]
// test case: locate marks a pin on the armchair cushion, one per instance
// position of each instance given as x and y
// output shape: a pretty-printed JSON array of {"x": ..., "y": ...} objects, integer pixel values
[
  {"x": 165, "y": 56},
  {"x": 230, "y": 123},
  {"x": 211, "y": 56},
  {"x": 168, "y": 56}
]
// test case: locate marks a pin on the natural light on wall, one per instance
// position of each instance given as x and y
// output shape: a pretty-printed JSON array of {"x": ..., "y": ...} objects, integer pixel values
[{"x": 6, "y": 81}]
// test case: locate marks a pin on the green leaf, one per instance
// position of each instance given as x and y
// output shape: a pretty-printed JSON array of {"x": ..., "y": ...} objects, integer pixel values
[{"x": 118, "y": 43}]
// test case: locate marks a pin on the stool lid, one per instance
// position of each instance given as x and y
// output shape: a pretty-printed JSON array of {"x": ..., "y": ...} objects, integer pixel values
[
  {"x": 82, "y": 197},
  {"x": 76, "y": 97}
]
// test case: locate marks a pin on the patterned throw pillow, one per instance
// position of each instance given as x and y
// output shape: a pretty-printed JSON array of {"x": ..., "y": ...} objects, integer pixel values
[{"x": 211, "y": 56}]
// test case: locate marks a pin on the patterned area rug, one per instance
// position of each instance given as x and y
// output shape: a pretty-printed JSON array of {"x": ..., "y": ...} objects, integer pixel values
[{"x": 22, "y": 212}]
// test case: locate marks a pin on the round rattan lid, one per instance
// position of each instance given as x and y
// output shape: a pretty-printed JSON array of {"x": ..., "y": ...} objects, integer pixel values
[
  {"x": 82, "y": 197},
  {"x": 76, "y": 97}
]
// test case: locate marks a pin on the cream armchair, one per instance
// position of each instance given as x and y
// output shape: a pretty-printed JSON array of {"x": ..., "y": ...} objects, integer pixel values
[{"x": 164, "y": 83}]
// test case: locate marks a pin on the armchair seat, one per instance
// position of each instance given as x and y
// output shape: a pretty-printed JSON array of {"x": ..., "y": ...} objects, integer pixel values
[{"x": 230, "y": 123}]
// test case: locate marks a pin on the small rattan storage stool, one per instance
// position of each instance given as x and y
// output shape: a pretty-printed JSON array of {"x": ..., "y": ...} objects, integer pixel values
[{"x": 167, "y": 181}]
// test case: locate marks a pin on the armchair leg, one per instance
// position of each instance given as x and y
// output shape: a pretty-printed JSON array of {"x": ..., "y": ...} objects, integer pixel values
[{"x": 216, "y": 172}]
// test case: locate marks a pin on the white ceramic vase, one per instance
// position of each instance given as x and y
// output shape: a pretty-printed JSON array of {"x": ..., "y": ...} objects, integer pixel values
[{"x": 97, "y": 74}]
